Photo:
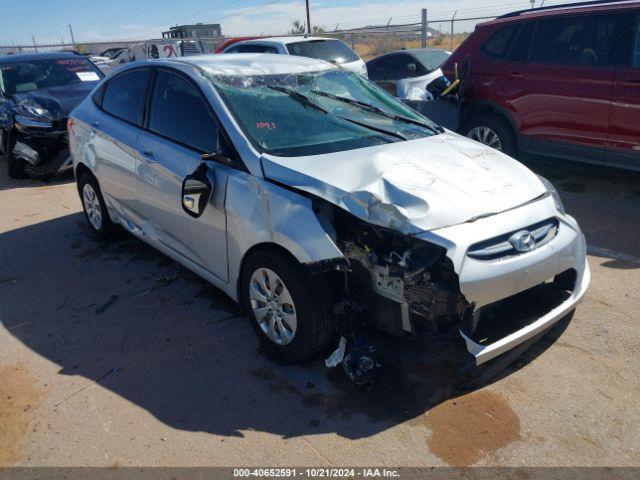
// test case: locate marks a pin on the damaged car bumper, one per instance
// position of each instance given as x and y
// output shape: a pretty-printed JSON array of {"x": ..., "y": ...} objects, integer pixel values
[{"x": 552, "y": 275}]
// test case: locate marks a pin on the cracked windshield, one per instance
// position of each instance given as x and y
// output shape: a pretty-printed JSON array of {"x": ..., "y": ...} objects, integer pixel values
[{"x": 336, "y": 109}]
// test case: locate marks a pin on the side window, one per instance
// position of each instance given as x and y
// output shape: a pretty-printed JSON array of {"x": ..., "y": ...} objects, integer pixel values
[
  {"x": 124, "y": 96},
  {"x": 394, "y": 67},
  {"x": 178, "y": 112},
  {"x": 498, "y": 44},
  {"x": 256, "y": 49},
  {"x": 235, "y": 49},
  {"x": 584, "y": 41},
  {"x": 635, "y": 59},
  {"x": 520, "y": 50}
]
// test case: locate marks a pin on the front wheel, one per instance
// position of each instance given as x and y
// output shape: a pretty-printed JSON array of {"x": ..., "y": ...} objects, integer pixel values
[
  {"x": 492, "y": 131},
  {"x": 289, "y": 309}
]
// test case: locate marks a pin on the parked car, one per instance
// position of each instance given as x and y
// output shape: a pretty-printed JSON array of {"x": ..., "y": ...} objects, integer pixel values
[
  {"x": 561, "y": 81},
  {"x": 37, "y": 92},
  {"x": 231, "y": 41},
  {"x": 328, "y": 49},
  {"x": 314, "y": 198},
  {"x": 406, "y": 73}
]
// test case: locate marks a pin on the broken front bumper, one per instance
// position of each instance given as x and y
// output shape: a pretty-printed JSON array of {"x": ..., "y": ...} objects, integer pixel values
[{"x": 486, "y": 282}]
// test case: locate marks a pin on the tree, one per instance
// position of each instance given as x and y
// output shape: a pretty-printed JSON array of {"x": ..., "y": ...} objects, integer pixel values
[{"x": 300, "y": 28}]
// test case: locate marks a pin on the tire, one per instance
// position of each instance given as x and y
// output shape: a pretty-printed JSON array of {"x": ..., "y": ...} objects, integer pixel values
[
  {"x": 495, "y": 127},
  {"x": 311, "y": 305},
  {"x": 15, "y": 166},
  {"x": 95, "y": 210}
]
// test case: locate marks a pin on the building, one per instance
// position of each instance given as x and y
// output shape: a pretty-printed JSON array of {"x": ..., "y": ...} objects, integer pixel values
[{"x": 199, "y": 30}]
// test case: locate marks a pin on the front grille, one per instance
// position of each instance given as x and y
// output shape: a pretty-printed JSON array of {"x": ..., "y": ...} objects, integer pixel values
[
  {"x": 504, "y": 317},
  {"x": 507, "y": 245}
]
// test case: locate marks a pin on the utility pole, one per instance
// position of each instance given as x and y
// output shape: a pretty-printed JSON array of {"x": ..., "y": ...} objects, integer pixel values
[
  {"x": 308, "y": 18},
  {"x": 424, "y": 28},
  {"x": 73, "y": 40},
  {"x": 453, "y": 19},
  {"x": 34, "y": 42},
  {"x": 533, "y": 4}
]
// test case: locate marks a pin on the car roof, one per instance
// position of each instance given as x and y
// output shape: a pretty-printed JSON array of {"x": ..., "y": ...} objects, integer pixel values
[
  {"x": 598, "y": 6},
  {"x": 284, "y": 40},
  {"x": 30, "y": 57},
  {"x": 253, "y": 64}
]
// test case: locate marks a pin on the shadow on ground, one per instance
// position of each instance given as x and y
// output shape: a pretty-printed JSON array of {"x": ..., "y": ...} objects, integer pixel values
[{"x": 155, "y": 334}]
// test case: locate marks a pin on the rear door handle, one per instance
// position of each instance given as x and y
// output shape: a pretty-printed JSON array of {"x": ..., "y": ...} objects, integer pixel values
[
  {"x": 632, "y": 80},
  {"x": 148, "y": 153},
  {"x": 516, "y": 75}
]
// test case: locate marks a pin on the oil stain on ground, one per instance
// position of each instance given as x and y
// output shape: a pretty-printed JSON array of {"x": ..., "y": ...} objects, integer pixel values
[
  {"x": 467, "y": 428},
  {"x": 19, "y": 396}
]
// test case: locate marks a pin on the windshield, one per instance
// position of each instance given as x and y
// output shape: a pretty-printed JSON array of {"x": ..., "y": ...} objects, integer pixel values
[
  {"x": 431, "y": 59},
  {"x": 313, "y": 113},
  {"x": 333, "y": 51},
  {"x": 17, "y": 77}
]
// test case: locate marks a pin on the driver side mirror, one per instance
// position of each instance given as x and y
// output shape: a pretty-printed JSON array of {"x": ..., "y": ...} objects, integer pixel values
[{"x": 196, "y": 192}]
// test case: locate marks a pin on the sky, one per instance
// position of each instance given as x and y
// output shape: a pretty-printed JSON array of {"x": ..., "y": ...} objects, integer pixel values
[{"x": 140, "y": 19}]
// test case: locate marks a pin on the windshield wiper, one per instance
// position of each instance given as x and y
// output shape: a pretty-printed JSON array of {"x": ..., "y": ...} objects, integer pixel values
[
  {"x": 379, "y": 111},
  {"x": 307, "y": 102}
]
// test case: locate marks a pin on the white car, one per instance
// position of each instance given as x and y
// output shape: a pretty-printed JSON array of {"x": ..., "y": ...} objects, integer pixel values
[
  {"x": 407, "y": 73},
  {"x": 327, "y": 49},
  {"x": 324, "y": 205}
]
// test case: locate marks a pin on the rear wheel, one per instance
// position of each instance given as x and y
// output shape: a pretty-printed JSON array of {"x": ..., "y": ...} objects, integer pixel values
[
  {"x": 492, "y": 131},
  {"x": 290, "y": 310},
  {"x": 95, "y": 210}
]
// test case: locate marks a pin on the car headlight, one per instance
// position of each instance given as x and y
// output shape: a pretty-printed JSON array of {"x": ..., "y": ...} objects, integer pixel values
[
  {"x": 32, "y": 122},
  {"x": 554, "y": 193}
]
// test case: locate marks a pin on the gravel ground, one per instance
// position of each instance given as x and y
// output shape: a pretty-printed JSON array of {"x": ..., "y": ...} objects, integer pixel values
[{"x": 114, "y": 355}]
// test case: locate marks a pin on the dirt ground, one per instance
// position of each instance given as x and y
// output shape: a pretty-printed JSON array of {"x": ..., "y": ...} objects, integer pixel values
[{"x": 114, "y": 355}]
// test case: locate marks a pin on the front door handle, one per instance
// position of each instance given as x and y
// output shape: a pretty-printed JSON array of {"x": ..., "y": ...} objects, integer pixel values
[
  {"x": 148, "y": 153},
  {"x": 516, "y": 75},
  {"x": 632, "y": 80}
]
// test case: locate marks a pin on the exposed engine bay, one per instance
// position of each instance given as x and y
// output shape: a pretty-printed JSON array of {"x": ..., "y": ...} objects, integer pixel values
[{"x": 405, "y": 285}]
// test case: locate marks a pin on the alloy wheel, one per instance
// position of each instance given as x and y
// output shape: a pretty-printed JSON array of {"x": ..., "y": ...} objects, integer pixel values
[
  {"x": 92, "y": 206},
  {"x": 485, "y": 135}
]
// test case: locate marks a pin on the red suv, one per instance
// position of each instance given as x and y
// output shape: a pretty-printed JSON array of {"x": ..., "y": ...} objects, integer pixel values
[{"x": 562, "y": 81}]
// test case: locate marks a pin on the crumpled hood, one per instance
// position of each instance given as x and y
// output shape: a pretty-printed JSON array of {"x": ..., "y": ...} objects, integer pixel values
[
  {"x": 412, "y": 186},
  {"x": 59, "y": 101}
]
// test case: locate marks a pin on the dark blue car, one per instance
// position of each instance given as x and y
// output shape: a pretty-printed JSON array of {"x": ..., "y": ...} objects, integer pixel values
[{"x": 37, "y": 93}]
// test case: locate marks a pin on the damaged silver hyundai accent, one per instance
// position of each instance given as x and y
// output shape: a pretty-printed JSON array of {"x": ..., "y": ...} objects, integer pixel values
[{"x": 323, "y": 205}]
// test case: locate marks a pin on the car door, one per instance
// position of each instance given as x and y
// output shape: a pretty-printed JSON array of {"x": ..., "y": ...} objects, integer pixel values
[
  {"x": 115, "y": 136},
  {"x": 624, "y": 124},
  {"x": 180, "y": 128},
  {"x": 566, "y": 86}
]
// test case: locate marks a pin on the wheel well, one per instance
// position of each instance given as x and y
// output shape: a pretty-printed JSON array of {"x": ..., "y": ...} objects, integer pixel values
[
  {"x": 81, "y": 169},
  {"x": 477, "y": 109}
]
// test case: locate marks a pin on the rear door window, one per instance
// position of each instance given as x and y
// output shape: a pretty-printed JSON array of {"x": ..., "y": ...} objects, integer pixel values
[
  {"x": 179, "y": 112},
  {"x": 520, "y": 49},
  {"x": 124, "y": 96},
  {"x": 333, "y": 51},
  {"x": 584, "y": 41},
  {"x": 498, "y": 44}
]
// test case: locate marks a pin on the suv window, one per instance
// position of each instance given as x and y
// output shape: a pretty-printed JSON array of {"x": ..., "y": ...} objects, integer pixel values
[
  {"x": 179, "y": 113},
  {"x": 582, "y": 41},
  {"x": 333, "y": 51},
  {"x": 498, "y": 44},
  {"x": 124, "y": 96},
  {"x": 520, "y": 50}
]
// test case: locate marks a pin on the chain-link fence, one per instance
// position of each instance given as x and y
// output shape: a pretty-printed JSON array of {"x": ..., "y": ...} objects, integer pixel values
[{"x": 428, "y": 28}]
